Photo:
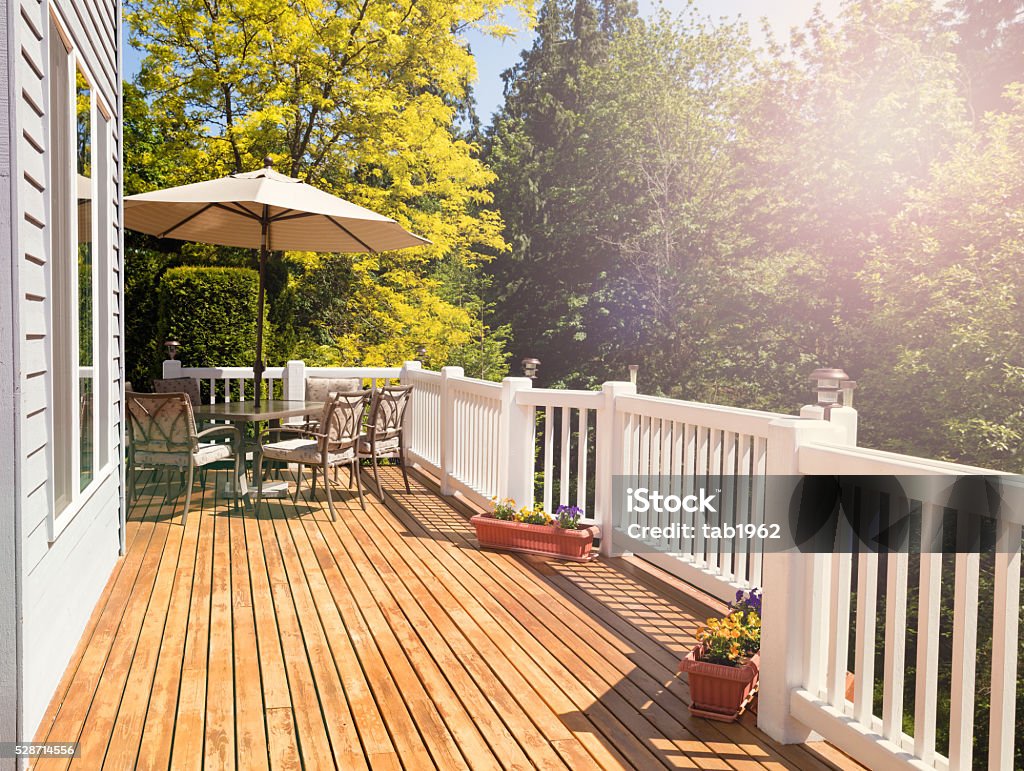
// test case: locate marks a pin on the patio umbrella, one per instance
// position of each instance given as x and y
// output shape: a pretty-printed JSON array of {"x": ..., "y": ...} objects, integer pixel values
[{"x": 267, "y": 211}]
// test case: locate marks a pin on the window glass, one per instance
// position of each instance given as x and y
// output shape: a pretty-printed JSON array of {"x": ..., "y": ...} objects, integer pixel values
[{"x": 86, "y": 322}]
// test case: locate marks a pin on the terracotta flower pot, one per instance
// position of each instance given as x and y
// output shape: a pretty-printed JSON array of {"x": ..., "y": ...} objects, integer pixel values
[
  {"x": 535, "y": 539},
  {"x": 718, "y": 691}
]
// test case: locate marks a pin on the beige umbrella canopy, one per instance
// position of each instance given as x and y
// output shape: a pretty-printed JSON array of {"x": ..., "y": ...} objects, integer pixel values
[{"x": 264, "y": 210}]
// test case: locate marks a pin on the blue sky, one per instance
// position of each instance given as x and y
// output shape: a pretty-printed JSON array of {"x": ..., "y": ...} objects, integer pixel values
[{"x": 495, "y": 56}]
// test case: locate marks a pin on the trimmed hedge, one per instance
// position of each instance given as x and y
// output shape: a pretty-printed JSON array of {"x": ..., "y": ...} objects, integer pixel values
[{"x": 212, "y": 313}]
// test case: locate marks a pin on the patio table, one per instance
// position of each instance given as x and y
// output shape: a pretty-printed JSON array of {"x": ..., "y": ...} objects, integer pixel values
[{"x": 270, "y": 410}]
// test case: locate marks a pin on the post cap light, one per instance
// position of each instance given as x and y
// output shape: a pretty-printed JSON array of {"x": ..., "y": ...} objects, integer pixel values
[
  {"x": 530, "y": 367},
  {"x": 421, "y": 351},
  {"x": 826, "y": 387},
  {"x": 172, "y": 346},
  {"x": 634, "y": 369},
  {"x": 848, "y": 387}
]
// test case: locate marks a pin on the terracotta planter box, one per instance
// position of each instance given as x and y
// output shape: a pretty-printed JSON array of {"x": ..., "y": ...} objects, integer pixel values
[
  {"x": 718, "y": 691},
  {"x": 535, "y": 539}
]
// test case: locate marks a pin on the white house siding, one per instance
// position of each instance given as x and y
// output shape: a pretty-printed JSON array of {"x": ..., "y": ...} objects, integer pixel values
[
  {"x": 60, "y": 581},
  {"x": 8, "y": 403}
]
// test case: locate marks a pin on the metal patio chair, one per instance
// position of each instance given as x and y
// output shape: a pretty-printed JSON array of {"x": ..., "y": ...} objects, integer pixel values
[
  {"x": 163, "y": 434},
  {"x": 385, "y": 433},
  {"x": 335, "y": 443}
]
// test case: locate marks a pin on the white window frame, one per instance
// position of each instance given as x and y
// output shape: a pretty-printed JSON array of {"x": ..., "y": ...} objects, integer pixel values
[{"x": 63, "y": 420}]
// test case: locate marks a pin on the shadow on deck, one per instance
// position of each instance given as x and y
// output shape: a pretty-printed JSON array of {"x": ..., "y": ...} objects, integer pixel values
[{"x": 384, "y": 640}]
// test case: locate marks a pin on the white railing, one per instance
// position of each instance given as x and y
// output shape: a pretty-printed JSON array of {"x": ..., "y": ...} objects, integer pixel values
[
  {"x": 566, "y": 440},
  {"x": 425, "y": 417},
  {"x": 473, "y": 410},
  {"x": 226, "y": 384},
  {"x": 671, "y": 443},
  {"x": 827, "y": 617},
  {"x": 816, "y": 682}
]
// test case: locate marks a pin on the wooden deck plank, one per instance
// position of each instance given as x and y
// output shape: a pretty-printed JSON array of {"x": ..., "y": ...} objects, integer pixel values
[
  {"x": 311, "y": 730},
  {"x": 385, "y": 640},
  {"x": 135, "y": 654},
  {"x": 154, "y": 750},
  {"x": 219, "y": 739},
  {"x": 586, "y": 717},
  {"x": 250, "y": 719},
  {"x": 628, "y": 612},
  {"x": 580, "y": 667},
  {"x": 338, "y": 717},
  {"x": 369, "y": 722},
  {"x": 402, "y": 726},
  {"x": 190, "y": 718},
  {"x": 73, "y": 714},
  {"x": 444, "y": 677},
  {"x": 426, "y": 713},
  {"x": 483, "y": 692}
]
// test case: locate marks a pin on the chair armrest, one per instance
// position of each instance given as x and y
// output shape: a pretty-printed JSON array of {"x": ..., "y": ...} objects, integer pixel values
[
  {"x": 232, "y": 431},
  {"x": 278, "y": 430}
]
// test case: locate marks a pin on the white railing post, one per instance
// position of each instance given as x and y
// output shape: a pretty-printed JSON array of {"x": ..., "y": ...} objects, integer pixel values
[
  {"x": 791, "y": 651},
  {"x": 516, "y": 442},
  {"x": 403, "y": 377},
  {"x": 447, "y": 428},
  {"x": 840, "y": 415},
  {"x": 293, "y": 381},
  {"x": 608, "y": 462},
  {"x": 172, "y": 368}
]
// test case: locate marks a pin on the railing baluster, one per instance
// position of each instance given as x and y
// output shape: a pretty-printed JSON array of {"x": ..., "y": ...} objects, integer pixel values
[
  {"x": 895, "y": 646},
  {"x": 759, "y": 463},
  {"x": 676, "y": 470},
  {"x": 839, "y": 616},
  {"x": 927, "y": 673},
  {"x": 715, "y": 460},
  {"x": 743, "y": 455},
  {"x": 581, "y": 461},
  {"x": 1005, "y": 636},
  {"x": 965, "y": 654},
  {"x": 564, "y": 453},
  {"x": 727, "y": 500},
  {"x": 864, "y": 647},
  {"x": 549, "y": 449}
]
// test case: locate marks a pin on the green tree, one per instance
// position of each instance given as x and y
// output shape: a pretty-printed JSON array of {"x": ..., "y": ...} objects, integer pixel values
[
  {"x": 948, "y": 292},
  {"x": 538, "y": 148},
  {"x": 360, "y": 100}
]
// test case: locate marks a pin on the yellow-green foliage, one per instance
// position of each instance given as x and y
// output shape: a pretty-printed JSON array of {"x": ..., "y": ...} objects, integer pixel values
[{"x": 358, "y": 98}]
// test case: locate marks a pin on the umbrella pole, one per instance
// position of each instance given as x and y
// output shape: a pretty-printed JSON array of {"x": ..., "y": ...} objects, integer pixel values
[{"x": 257, "y": 369}]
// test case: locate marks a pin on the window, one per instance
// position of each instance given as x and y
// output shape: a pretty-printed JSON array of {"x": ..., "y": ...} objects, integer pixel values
[{"x": 80, "y": 224}]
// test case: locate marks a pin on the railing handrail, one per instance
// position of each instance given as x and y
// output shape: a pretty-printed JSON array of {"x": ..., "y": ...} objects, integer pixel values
[
  {"x": 274, "y": 373},
  {"x": 228, "y": 373},
  {"x": 487, "y": 389},
  {"x": 423, "y": 374},
  {"x": 738, "y": 419},
  {"x": 559, "y": 397},
  {"x": 822, "y": 458}
]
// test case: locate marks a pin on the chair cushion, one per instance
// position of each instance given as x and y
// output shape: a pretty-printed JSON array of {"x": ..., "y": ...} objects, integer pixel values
[
  {"x": 389, "y": 445},
  {"x": 207, "y": 453},
  {"x": 305, "y": 451}
]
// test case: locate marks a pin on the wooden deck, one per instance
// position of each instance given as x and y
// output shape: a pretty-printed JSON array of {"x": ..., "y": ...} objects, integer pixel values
[{"x": 386, "y": 640}]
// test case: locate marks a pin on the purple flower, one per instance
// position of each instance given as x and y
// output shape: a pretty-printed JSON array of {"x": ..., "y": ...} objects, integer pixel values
[{"x": 568, "y": 517}]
